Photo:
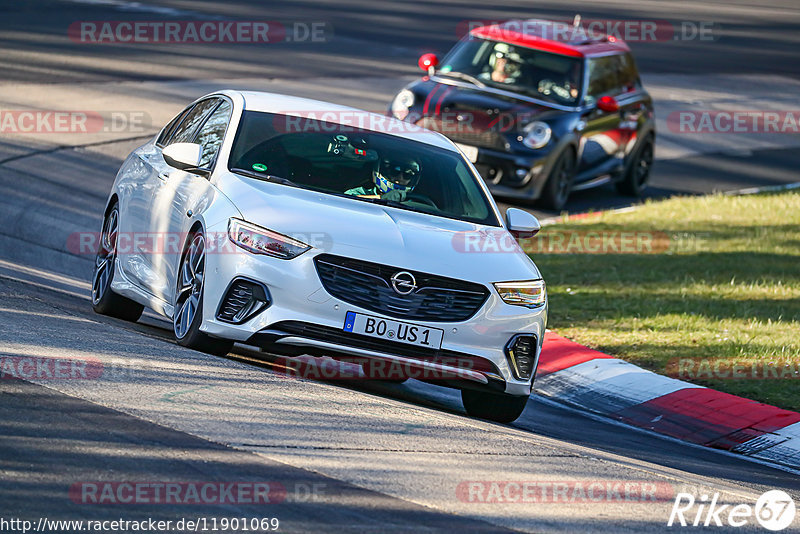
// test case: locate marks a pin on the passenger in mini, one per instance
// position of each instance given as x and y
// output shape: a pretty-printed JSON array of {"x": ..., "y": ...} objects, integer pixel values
[{"x": 505, "y": 63}]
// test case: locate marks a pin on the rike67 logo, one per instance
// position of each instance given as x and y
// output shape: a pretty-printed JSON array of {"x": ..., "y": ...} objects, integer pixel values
[{"x": 774, "y": 510}]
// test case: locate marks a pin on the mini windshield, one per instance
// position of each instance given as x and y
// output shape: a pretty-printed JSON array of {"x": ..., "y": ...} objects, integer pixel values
[
  {"x": 360, "y": 164},
  {"x": 544, "y": 75}
]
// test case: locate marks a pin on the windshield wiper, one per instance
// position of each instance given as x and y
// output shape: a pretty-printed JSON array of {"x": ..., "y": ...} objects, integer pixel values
[
  {"x": 463, "y": 76},
  {"x": 265, "y": 177},
  {"x": 393, "y": 204}
]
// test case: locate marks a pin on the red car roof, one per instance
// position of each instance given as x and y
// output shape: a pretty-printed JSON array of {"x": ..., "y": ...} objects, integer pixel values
[{"x": 556, "y": 37}]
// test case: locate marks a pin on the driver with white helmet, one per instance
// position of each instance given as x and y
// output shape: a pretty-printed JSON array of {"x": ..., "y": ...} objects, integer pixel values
[{"x": 505, "y": 63}]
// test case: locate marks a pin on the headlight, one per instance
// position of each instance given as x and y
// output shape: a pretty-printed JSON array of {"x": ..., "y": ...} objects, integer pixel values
[
  {"x": 531, "y": 294},
  {"x": 401, "y": 103},
  {"x": 537, "y": 134},
  {"x": 262, "y": 241}
]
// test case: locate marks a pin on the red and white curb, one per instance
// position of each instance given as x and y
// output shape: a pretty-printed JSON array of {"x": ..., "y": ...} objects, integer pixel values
[{"x": 591, "y": 380}]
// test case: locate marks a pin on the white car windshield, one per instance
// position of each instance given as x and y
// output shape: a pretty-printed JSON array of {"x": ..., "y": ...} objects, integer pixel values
[{"x": 360, "y": 164}]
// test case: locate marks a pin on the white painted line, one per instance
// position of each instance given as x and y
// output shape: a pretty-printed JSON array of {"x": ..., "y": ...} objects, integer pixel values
[
  {"x": 138, "y": 7},
  {"x": 765, "y": 189}
]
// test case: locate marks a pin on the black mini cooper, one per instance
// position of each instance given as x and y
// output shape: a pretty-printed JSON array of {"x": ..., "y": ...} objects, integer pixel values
[{"x": 541, "y": 108}]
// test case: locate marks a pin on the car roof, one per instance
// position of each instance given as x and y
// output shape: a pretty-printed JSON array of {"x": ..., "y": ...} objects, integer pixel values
[
  {"x": 334, "y": 113},
  {"x": 551, "y": 36}
]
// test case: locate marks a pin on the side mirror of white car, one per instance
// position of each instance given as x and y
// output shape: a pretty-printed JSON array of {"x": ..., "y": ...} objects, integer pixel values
[
  {"x": 522, "y": 223},
  {"x": 183, "y": 156}
]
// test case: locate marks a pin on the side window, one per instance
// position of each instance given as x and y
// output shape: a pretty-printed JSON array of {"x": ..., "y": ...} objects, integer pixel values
[
  {"x": 169, "y": 128},
  {"x": 628, "y": 77},
  {"x": 603, "y": 77},
  {"x": 212, "y": 133},
  {"x": 184, "y": 133}
]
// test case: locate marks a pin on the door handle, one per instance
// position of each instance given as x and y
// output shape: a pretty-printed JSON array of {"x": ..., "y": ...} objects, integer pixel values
[{"x": 164, "y": 175}]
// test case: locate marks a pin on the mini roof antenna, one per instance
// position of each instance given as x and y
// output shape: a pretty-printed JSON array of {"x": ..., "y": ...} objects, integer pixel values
[{"x": 576, "y": 21}]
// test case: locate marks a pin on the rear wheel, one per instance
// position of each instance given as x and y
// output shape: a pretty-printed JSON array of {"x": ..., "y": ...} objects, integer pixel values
[
  {"x": 559, "y": 184},
  {"x": 105, "y": 301},
  {"x": 638, "y": 170},
  {"x": 497, "y": 407},
  {"x": 188, "y": 312}
]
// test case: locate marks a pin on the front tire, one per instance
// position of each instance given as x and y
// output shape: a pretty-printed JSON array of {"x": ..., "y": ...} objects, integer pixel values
[
  {"x": 497, "y": 407},
  {"x": 638, "y": 171},
  {"x": 104, "y": 300},
  {"x": 559, "y": 184},
  {"x": 188, "y": 311}
]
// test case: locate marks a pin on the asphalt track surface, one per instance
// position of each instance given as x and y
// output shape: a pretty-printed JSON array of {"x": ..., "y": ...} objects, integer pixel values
[{"x": 382, "y": 457}]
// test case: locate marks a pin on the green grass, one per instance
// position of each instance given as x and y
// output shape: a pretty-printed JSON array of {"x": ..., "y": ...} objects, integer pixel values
[{"x": 727, "y": 288}]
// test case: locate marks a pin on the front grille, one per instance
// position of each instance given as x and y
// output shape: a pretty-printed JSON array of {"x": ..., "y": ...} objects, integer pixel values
[
  {"x": 340, "y": 337},
  {"x": 484, "y": 138},
  {"x": 368, "y": 286}
]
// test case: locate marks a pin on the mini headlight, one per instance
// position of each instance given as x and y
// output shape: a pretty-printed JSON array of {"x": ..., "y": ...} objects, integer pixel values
[
  {"x": 530, "y": 293},
  {"x": 262, "y": 241},
  {"x": 401, "y": 103},
  {"x": 537, "y": 134}
]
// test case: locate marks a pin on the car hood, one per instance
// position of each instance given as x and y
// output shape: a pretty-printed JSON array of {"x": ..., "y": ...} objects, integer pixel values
[
  {"x": 474, "y": 116},
  {"x": 381, "y": 234},
  {"x": 485, "y": 104}
]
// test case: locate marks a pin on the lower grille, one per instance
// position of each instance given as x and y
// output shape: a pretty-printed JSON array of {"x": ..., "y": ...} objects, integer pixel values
[
  {"x": 242, "y": 301},
  {"x": 521, "y": 354},
  {"x": 368, "y": 285},
  {"x": 340, "y": 337}
]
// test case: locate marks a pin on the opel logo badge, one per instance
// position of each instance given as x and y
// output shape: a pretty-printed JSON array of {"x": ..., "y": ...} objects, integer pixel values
[{"x": 403, "y": 282}]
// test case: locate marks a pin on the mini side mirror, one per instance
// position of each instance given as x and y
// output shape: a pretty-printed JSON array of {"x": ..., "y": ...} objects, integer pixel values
[{"x": 428, "y": 62}]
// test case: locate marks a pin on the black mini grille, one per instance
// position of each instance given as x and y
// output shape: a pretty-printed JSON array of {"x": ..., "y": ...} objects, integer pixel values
[
  {"x": 484, "y": 138},
  {"x": 368, "y": 285}
]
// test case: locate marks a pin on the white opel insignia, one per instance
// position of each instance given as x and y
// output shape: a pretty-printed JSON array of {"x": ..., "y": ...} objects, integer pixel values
[{"x": 307, "y": 228}]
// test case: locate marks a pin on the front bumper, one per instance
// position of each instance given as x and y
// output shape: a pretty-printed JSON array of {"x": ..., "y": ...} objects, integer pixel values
[
  {"x": 514, "y": 175},
  {"x": 303, "y": 315}
]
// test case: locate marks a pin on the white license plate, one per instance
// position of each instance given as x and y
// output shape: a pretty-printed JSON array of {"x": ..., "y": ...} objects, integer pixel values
[
  {"x": 412, "y": 334},
  {"x": 470, "y": 151}
]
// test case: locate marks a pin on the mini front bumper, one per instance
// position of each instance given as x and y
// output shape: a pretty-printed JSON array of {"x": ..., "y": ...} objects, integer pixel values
[{"x": 517, "y": 175}]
